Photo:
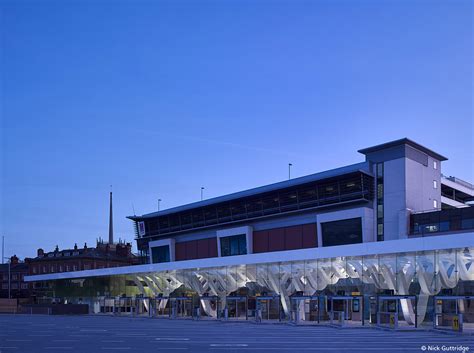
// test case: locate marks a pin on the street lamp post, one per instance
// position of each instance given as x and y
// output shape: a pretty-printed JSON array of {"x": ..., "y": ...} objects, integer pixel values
[
  {"x": 202, "y": 193},
  {"x": 159, "y": 200},
  {"x": 289, "y": 170}
]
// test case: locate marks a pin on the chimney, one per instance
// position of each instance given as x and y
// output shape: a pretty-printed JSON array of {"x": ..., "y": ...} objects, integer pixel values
[
  {"x": 40, "y": 252},
  {"x": 14, "y": 260},
  {"x": 111, "y": 223}
]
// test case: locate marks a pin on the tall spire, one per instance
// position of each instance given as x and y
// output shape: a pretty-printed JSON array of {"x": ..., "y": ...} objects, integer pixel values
[{"x": 111, "y": 220}]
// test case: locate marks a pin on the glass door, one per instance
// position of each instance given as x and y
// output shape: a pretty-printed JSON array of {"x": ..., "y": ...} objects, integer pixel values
[
  {"x": 237, "y": 308},
  {"x": 346, "y": 310},
  {"x": 209, "y": 307}
]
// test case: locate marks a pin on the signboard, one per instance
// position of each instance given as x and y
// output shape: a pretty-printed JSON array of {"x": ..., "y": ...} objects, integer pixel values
[
  {"x": 456, "y": 323},
  {"x": 141, "y": 228},
  {"x": 392, "y": 320}
]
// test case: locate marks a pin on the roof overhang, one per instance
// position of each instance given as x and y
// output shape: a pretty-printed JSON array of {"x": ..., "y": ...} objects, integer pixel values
[
  {"x": 403, "y": 141},
  {"x": 439, "y": 242},
  {"x": 333, "y": 173}
]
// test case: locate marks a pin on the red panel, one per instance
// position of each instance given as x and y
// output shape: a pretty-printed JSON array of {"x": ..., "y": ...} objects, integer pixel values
[
  {"x": 293, "y": 237},
  {"x": 202, "y": 248},
  {"x": 276, "y": 239},
  {"x": 310, "y": 238},
  {"x": 180, "y": 251},
  {"x": 260, "y": 241},
  {"x": 212, "y": 247},
  {"x": 191, "y": 249}
]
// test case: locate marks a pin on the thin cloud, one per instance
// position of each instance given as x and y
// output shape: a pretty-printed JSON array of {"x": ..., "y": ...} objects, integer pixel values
[{"x": 222, "y": 143}]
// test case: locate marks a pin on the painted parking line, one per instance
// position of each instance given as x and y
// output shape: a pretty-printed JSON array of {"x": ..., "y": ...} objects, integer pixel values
[
  {"x": 8, "y": 347},
  {"x": 17, "y": 340},
  {"x": 171, "y": 339},
  {"x": 229, "y": 345},
  {"x": 57, "y": 347},
  {"x": 39, "y": 335},
  {"x": 115, "y": 348},
  {"x": 112, "y": 341}
]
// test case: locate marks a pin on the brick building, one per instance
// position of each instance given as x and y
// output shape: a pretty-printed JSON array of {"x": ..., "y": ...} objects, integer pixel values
[
  {"x": 104, "y": 255},
  {"x": 13, "y": 279}
]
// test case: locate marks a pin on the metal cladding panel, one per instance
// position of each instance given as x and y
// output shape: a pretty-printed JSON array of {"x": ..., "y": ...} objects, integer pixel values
[
  {"x": 310, "y": 237},
  {"x": 196, "y": 249},
  {"x": 293, "y": 237},
  {"x": 212, "y": 247},
  {"x": 191, "y": 250},
  {"x": 180, "y": 251},
  {"x": 202, "y": 248},
  {"x": 260, "y": 241},
  {"x": 276, "y": 239}
]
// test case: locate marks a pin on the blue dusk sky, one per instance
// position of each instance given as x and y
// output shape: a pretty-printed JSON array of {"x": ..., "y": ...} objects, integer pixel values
[{"x": 159, "y": 98}]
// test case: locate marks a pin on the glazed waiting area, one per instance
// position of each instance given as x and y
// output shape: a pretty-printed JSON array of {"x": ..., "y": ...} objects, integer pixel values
[{"x": 402, "y": 290}]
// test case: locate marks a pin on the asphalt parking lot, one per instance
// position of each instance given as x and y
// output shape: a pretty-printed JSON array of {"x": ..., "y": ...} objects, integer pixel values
[{"x": 88, "y": 334}]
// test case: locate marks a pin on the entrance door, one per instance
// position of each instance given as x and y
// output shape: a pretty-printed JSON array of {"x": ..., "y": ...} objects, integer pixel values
[
  {"x": 305, "y": 309},
  {"x": 161, "y": 307},
  {"x": 181, "y": 307},
  {"x": 346, "y": 310},
  {"x": 454, "y": 313},
  {"x": 373, "y": 302},
  {"x": 268, "y": 308},
  {"x": 397, "y": 311},
  {"x": 124, "y": 306},
  {"x": 209, "y": 307},
  {"x": 237, "y": 308},
  {"x": 107, "y": 305},
  {"x": 142, "y": 306}
]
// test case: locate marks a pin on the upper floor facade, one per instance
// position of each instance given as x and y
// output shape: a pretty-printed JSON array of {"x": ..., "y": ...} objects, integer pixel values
[{"x": 372, "y": 201}]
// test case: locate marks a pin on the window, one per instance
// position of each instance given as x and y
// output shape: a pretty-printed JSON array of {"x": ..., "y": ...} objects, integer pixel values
[
  {"x": 15, "y": 277},
  {"x": 234, "y": 245},
  {"x": 435, "y": 184},
  {"x": 24, "y": 286},
  {"x": 14, "y": 286},
  {"x": 380, "y": 202},
  {"x": 435, "y": 165},
  {"x": 160, "y": 254},
  {"x": 435, "y": 203},
  {"x": 34, "y": 269},
  {"x": 67, "y": 268},
  {"x": 5, "y": 286},
  {"x": 5, "y": 277},
  {"x": 60, "y": 268},
  {"x": 347, "y": 231},
  {"x": 380, "y": 228},
  {"x": 74, "y": 268}
]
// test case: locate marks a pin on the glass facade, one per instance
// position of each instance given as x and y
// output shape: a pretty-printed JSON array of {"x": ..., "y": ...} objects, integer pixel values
[
  {"x": 234, "y": 245},
  {"x": 300, "y": 289},
  {"x": 160, "y": 254},
  {"x": 342, "y": 189},
  {"x": 456, "y": 219},
  {"x": 347, "y": 231}
]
